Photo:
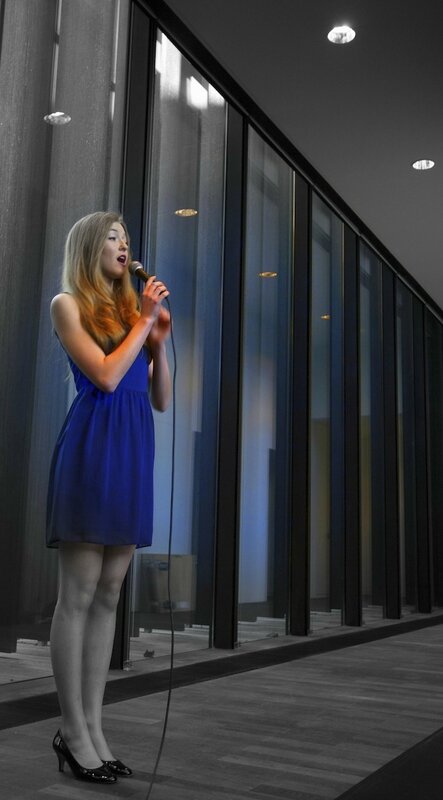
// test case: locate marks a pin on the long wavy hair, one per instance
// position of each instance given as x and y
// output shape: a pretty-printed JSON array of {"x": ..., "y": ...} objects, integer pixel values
[{"x": 107, "y": 313}]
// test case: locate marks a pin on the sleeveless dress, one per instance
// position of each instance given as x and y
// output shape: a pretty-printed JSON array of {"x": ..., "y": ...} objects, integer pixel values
[{"x": 101, "y": 477}]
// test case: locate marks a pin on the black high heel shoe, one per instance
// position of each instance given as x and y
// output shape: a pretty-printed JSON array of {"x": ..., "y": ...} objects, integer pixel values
[
  {"x": 63, "y": 753},
  {"x": 117, "y": 767}
]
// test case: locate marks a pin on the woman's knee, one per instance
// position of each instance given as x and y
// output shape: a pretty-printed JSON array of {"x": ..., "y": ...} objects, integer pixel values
[
  {"x": 108, "y": 593},
  {"x": 80, "y": 570},
  {"x": 77, "y": 597},
  {"x": 115, "y": 565}
]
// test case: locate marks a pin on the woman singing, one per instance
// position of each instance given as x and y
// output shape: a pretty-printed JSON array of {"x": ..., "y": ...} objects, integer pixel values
[{"x": 100, "y": 502}]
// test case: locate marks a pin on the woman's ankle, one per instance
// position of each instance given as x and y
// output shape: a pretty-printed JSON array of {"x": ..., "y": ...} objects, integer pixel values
[
  {"x": 100, "y": 743},
  {"x": 80, "y": 744}
]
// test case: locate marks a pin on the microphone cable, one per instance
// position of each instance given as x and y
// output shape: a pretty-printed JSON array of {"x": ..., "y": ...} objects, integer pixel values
[{"x": 171, "y": 515}]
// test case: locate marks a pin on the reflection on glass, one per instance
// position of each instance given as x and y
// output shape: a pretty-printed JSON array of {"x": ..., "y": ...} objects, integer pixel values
[
  {"x": 185, "y": 250},
  {"x": 265, "y": 394},
  {"x": 406, "y": 448},
  {"x": 326, "y": 370},
  {"x": 434, "y": 379},
  {"x": 372, "y": 520}
]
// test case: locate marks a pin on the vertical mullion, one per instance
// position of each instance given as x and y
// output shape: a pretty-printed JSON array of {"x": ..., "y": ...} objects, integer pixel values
[
  {"x": 378, "y": 522},
  {"x": 138, "y": 125},
  {"x": 407, "y": 472},
  {"x": 134, "y": 192},
  {"x": 227, "y": 535},
  {"x": 391, "y": 510},
  {"x": 337, "y": 456},
  {"x": 424, "y": 602},
  {"x": 299, "y": 544},
  {"x": 351, "y": 328}
]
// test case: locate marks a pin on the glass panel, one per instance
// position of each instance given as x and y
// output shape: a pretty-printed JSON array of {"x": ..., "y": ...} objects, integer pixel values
[
  {"x": 185, "y": 250},
  {"x": 406, "y": 448},
  {"x": 326, "y": 370},
  {"x": 372, "y": 519},
  {"x": 265, "y": 394},
  {"x": 434, "y": 363}
]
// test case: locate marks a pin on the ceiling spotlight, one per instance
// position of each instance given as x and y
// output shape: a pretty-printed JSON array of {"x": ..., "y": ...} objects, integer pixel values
[
  {"x": 186, "y": 212},
  {"x": 57, "y": 118},
  {"x": 341, "y": 35},
  {"x": 325, "y": 316},
  {"x": 424, "y": 163},
  {"x": 267, "y": 274}
]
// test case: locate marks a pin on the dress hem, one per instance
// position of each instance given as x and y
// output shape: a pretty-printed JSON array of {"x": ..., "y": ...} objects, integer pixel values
[{"x": 54, "y": 545}]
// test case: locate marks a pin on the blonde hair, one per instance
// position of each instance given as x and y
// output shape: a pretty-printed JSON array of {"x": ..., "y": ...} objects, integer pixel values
[{"x": 106, "y": 313}]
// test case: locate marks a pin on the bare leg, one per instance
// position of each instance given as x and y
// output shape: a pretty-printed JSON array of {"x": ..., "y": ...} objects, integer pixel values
[
  {"x": 98, "y": 641},
  {"x": 80, "y": 567}
]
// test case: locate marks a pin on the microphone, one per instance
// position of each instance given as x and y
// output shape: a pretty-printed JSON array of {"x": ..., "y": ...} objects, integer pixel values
[{"x": 136, "y": 269}]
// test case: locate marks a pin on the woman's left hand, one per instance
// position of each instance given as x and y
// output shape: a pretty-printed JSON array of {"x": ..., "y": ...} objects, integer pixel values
[{"x": 161, "y": 329}]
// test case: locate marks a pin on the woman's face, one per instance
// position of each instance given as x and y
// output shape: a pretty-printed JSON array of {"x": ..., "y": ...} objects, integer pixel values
[{"x": 114, "y": 258}]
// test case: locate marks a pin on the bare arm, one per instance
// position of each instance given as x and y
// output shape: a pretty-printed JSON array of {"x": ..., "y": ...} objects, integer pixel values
[
  {"x": 105, "y": 371},
  {"x": 160, "y": 379}
]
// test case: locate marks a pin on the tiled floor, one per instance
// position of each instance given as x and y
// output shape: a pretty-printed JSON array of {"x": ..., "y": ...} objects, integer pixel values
[{"x": 302, "y": 730}]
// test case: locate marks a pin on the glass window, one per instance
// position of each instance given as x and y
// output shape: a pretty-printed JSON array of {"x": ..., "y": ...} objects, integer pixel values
[
  {"x": 434, "y": 379},
  {"x": 265, "y": 394},
  {"x": 406, "y": 448},
  {"x": 372, "y": 519},
  {"x": 184, "y": 224},
  {"x": 326, "y": 410}
]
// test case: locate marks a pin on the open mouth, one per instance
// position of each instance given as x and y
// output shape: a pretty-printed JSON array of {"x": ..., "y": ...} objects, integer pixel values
[{"x": 122, "y": 259}]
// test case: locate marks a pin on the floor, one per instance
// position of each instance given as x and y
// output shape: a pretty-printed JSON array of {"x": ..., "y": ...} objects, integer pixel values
[{"x": 302, "y": 730}]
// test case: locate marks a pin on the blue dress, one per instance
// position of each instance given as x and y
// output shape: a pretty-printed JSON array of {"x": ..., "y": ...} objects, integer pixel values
[{"x": 101, "y": 477}]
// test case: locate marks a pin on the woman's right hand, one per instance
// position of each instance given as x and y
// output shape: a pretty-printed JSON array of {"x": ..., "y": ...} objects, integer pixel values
[{"x": 154, "y": 292}]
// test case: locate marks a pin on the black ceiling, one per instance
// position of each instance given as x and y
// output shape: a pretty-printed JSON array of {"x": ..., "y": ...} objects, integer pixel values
[{"x": 360, "y": 113}]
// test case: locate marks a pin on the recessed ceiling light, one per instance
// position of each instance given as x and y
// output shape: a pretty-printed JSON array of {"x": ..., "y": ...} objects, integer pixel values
[
  {"x": 342, "y": 34},
  {"x": 186, "y": 212},
  {"x": 424, "y": 163},
  {"x": 267, "y": 274},
  {"x": 57, "y": 118}
]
